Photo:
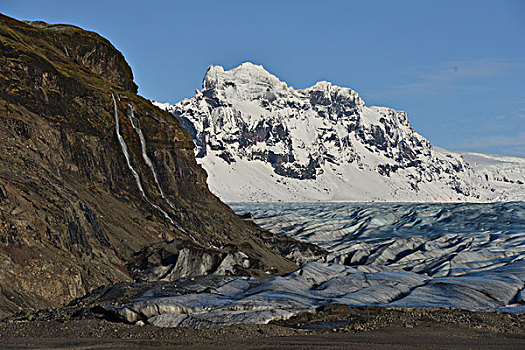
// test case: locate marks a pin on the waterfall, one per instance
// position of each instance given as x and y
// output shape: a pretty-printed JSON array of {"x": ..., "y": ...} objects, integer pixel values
[
  {"x": 149, "y": 163},
  {"x": 124, "y": 148},
  {"x": 147, "y": 159}
]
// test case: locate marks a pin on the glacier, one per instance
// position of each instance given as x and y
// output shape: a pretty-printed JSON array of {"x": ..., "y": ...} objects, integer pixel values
[{"x": 395, "y": 255}]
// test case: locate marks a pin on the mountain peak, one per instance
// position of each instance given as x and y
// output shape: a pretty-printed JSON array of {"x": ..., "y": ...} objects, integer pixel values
[
  {"x": 325, "y": 92},
  {"x": 261, "y": 140},
  {"x": 249, "y": 66},
  {"x": 245, "y": 77}
]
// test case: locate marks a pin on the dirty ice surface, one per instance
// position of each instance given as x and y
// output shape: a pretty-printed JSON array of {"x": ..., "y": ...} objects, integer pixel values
[{"x": 468, "y": 256}]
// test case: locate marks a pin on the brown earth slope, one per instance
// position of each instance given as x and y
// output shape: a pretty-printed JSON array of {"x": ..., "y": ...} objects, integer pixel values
[{"x": 71, "y": 214}]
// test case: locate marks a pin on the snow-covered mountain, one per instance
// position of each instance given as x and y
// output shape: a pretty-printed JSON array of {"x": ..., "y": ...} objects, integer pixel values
[{"x": 261, "y": 140}]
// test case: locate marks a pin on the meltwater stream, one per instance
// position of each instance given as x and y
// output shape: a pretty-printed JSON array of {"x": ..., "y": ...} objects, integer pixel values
[
  {"x": 124, "y": 148},
  {"x": 468, "y": 256},
  {"x": 145, "y": 156},
  {"x": 149, "y": 163}
]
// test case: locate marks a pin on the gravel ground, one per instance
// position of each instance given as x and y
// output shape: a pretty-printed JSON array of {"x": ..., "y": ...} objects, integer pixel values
[{"x": 333, "y": 327}]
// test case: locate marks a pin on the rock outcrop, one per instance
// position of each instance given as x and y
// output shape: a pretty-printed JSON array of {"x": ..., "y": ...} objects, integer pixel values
[{"x": 90, "y": 182}]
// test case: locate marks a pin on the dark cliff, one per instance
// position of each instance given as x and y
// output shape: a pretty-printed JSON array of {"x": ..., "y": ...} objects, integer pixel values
[{"x": 72, "y": 216}]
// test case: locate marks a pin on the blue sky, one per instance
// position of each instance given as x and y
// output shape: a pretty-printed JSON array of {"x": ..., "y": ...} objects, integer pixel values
[{"x": 457, "y": 67}]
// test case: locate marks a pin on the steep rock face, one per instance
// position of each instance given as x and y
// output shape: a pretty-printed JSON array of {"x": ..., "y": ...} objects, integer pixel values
[
  {"x": 74, "y": 207},
  {"x": 319, "y": 143}
]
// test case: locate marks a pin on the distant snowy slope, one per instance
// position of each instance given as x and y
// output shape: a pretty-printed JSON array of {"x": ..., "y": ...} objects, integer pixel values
[
  {"x": 261, "y": 140},
  {"x": 505, "y": 175}
]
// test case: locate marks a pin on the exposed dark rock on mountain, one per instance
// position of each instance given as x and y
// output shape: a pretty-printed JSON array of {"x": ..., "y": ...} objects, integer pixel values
[{"x": 73, "y": 214}]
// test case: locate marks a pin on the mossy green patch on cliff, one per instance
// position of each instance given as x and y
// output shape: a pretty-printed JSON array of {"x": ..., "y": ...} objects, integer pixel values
[{"x": 65, "y": 62}]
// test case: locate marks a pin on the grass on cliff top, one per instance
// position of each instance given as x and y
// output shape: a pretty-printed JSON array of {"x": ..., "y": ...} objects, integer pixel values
[{"x": 45, "y": 45}]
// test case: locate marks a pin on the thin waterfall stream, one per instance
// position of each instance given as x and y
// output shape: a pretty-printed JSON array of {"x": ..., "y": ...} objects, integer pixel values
[
  {"x": 145, "y": 156},
  {"x": 149, "y": 163},
  {"x": 124, "y": 148}
]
